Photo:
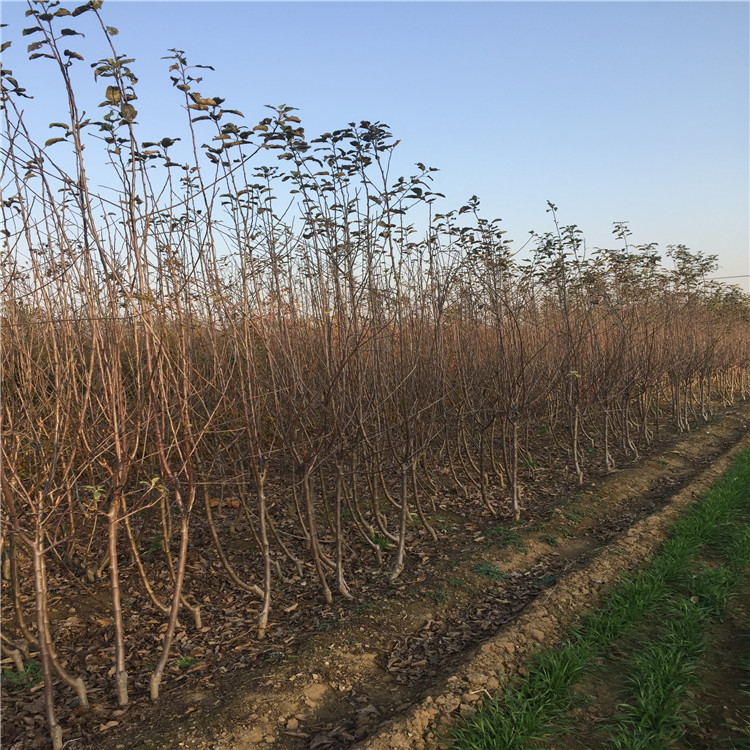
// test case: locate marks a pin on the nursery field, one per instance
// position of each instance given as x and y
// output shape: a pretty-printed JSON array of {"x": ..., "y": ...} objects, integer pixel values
[
  {"x": 286, "y": 446},
  {"x": 409, "y": 665}
]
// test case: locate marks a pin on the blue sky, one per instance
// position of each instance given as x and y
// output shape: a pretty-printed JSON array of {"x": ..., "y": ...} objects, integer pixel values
[{"x": 635, "y": 111}]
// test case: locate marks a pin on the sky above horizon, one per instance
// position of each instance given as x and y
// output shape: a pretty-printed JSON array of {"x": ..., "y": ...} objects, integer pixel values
[{"x": 614, "y": 111}]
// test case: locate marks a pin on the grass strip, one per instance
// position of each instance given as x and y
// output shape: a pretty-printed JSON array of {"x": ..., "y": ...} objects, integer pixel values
[
  {"x": 532, "y": 708},
  {"x": 658, "y": 710},
  {"x": 745, "y": 690}
]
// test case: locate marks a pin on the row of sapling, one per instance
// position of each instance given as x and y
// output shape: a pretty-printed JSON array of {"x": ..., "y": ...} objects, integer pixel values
[{"x": 256, "y": 319}]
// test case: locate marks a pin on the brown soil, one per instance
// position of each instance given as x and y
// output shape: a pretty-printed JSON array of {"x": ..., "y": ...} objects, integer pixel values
[{"x": 394, "y": 670}]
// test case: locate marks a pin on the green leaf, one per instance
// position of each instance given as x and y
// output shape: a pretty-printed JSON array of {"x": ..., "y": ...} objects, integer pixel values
[
  {"x": 31, "y": 30},
  {"x": 51, "y": 141},
  {"x": 4, "y": 46},
  {"x": 70, "y": 32},
  {"x": 61, "y": 12}
]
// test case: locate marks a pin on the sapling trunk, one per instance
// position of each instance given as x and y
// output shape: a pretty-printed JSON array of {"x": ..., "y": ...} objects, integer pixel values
[
  {"x": 343, "y": 587},
  {"x": 313, "y": 529},
  {"x": 40, "y": 588},
  {"x": 260, "y": 476},
  {"x": 401, "y": 549},
  {"x": 121, "y": 675},
  {"x": 158, "y": 673},
  {"x": 515, "y": 490}
]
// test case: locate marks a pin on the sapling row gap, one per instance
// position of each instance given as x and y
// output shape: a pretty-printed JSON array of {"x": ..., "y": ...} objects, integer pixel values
[{"x": 250, "y": 334}]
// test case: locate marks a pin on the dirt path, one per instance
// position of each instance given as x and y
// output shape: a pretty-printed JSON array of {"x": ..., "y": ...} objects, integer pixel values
[{"x": 395, "y": 671}]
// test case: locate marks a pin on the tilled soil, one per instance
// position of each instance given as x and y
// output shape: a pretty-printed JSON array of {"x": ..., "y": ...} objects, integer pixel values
[{"x": 396, "y": 670}]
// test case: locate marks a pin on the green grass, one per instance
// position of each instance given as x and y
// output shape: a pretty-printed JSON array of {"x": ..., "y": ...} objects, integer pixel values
[
  {"x": 654, "y": 713},
  {"x": 670, "y": 601},
  {"x": 745, "y": 688}
]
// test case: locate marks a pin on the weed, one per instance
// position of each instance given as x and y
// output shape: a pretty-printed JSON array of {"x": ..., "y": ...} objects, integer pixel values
[
  {"x": 31, "y": 675},
  {"x": 184, "y": 662},
  {"x": 438, "y": 596},
  {"x": 458, "y": 582},
  {"x": 550, "y": 539},
  {"x": 572, "y": 516},
  {"x": 154, "y": 545},
  {"x": 504, "y": 537},
  {"x": 489, "y": 570},
  {"x": 537, "y": 527},
  {"x": 380, "y": 540},
  {"x": 530, "y": 463},
  {"x": 327, "y": 625}
]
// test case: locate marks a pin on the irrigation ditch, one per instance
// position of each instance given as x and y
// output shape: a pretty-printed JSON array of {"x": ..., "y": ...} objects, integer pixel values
[{"x": 401, "y": 671}]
